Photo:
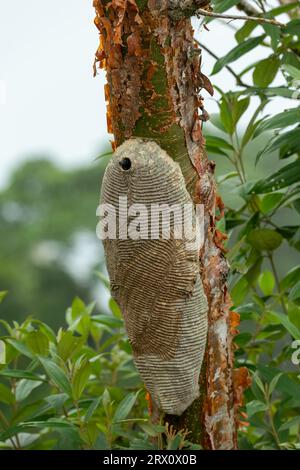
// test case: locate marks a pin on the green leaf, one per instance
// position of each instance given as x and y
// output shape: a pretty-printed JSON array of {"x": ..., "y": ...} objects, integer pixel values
[
  {"x": 242, "y": 339},
  {"x": 290, "y": 423},
  {"x": 46, "y": 330},
  {"x": 80, "y": 378},
  {"x": 68, "y": 344},
  {"x": 270, "y": 91},
  {"x": 295, "y": 292},
  {"x": 239, "y": 291},
  {"x": 81, "y": 325},
  {"x": 282, "y": 178},
  {"x": 3, "y": 294},
  {"x": 257, "y": 380},
  {"x": 152, "y": 429},
  {"x": 290, "y": 278},
  {"x": 106, "y": 400},
  {"x": 292, "y": 71},
  {"x": 108, "y": 320},
  {"x": 114, "y": 308},
  {"x": 296, "y": 205},
  {"x": 234, "y": 251},
  {"x": 215, "y": 151},
  {"x": 282, "y": 9},
  {"x": 226, "y": 115},
  {"x": 92, "y": 408},
  {"x": 245, "y": 31},
  {"x": 247, "y": 69},
  {"x": 227, "y": 176},
  {"x": 290, "y": 233},
  {"x": 270, "y": 201},
  {"x": 2, "y": 352},
  {"x": 20, "y": 374},
  {"x": 102, "y": 155},
  {"x": 78, "y": 317},
  {"x": 7, "y": 326},
  {"x": 284, "y": 320},
  {"x": 253, "y": 124},
  {"x": 54, "y": 423},
  {"x": 125, "y": 407},
  {"x": 21, "y": 347},
  {"x": 78, "y": 307},
  {"x": 264, "y": 239},
  {"x": 293, "y": 27},
  {"x": 238, "y": 109},
  {"x": 34, "y": 441},
  {"x": 6, "y": 396},
  {"x": 274, "y": 33},
  {"x": 57, "y": 400},
  {"x": 266, "y": 282},
  {"x": 280, "y": 121},
  {"x": 223, "y": 5},
  {"x": 289, "y": 58},
  {"x": 253, "y": 271},
  {"x": 51, "y": 422},
  {"x": 273, "y": 383},
  {"x": 24, "y": 388},
  {"x": 38, "y": 343},
  {"x": 57, "y": 375},
  {"x": 231, "y": 110},
  {"x": 237, "y": 52},
  {"x": 214, "y": 141},
  {"x": 265, "y": 71},
  {"x": 216, "y": 121},
  {"x": 103, "y": 279},
  {"x": 255, "y": 406},
  {"x": 251, "y": 223},
  {"x": 285, "y": 385}
]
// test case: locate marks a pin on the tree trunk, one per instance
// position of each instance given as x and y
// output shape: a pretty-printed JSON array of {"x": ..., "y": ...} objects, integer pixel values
[{"x": 152, "y": 91}]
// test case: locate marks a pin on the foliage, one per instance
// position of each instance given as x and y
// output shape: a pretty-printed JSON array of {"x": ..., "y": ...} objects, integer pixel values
[
  {"x": 77, "y": 388},
  {"x": 260, "y": 222}
]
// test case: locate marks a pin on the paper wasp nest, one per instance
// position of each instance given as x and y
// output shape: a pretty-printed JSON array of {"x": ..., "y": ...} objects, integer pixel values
[{"x": 156, "y": 282}]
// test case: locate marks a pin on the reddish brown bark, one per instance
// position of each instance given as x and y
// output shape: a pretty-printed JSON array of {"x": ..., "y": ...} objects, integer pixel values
[{"x": 154, "y": 80}]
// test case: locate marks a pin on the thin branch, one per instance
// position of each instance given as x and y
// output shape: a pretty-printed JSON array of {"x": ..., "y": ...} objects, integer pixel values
[
  {"x": 235, "y": 75},
  {"x": 277, "y": 282},
  {"x": 257, "y": 19},
  {"x": 242, "y": 5}
]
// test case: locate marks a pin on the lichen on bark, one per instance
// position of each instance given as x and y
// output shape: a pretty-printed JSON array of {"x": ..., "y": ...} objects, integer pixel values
[{"x": 154, "y": 81}]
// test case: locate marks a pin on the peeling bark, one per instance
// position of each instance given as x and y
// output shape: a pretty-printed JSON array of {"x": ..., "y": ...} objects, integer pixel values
[
  {"x": 177, "y": 9},
  {"x": 154, "y": 80}
]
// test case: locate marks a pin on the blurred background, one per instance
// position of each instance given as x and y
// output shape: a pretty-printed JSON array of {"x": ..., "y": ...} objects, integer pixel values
[{"x": 53, "y": 128}]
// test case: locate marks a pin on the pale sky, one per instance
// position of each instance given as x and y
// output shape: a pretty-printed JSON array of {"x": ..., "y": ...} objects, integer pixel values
[
  {"x": 50, "y": 104},
  {"x": 53, "y": 105}
]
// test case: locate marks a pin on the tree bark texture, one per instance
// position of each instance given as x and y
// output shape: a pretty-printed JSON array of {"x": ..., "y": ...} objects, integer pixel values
[{"x": 153, "y": 83}]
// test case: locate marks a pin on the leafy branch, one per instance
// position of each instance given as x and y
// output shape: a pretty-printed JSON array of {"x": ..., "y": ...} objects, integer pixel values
[{"x": 257, "y": 19}]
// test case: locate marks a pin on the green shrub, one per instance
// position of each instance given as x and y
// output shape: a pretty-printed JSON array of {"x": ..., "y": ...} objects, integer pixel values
[
  {"x": 75, "y": 389},
  {"x": 78, "y": 388}
]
